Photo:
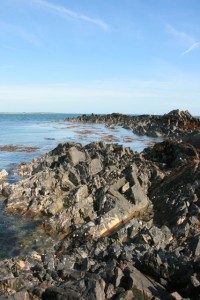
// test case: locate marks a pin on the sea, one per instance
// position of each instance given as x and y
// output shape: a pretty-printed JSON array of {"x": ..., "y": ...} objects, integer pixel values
[{"x": 44, "y": 131}]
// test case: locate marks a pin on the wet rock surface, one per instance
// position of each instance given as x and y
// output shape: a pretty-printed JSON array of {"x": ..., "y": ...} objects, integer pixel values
[
  {"x": 127, "y": 223},
  {"x": 173, "y": 124}
]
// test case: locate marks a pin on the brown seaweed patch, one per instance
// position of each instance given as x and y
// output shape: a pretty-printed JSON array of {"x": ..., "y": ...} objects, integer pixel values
[
  {"x": 71, "y": 126},
  {"x": 128, "y": 139},
  {"x": 84, "y": 132},
  {"x": 110, "y": 138},
  {"x": 15, "y": 148},
  {"x": 81, "y": 137}
]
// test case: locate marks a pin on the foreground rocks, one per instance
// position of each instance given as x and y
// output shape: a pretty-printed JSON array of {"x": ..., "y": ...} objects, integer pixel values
[
  {"x": 173, "y": 124},
  {"x": 127, "y": 224}
]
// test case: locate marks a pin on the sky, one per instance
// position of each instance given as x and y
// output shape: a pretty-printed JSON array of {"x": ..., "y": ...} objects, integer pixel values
[{"x": 100, "y": 56}]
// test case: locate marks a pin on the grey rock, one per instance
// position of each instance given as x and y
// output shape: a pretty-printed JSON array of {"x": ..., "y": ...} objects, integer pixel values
[
  {"x": 118, "y": 276},
  {"x": 116, "y": 215},
  {"x": 3, "y": 173},
  {"x": 142, "y": 287},
  {"x": 76, "y": 156},
  {"x": 95, "y": 166},
  {"x": 127, "y": 295}
]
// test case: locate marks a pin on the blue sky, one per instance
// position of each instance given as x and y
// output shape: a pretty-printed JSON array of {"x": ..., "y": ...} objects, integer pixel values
[{"x": 101, "y": 56}]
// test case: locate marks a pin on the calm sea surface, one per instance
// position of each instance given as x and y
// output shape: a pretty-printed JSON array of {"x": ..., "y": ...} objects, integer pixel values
[
  {"x": 45, "y": 131},
  {"x": 20, "y": 235}
]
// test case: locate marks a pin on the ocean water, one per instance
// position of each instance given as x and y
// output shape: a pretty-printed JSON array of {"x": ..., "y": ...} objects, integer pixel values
[
  {"x": 45, "y": 131},
  {"x": 19, "y": 235}
]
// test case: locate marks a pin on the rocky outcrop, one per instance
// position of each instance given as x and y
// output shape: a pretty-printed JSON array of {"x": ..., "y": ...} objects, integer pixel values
[
  {"x": 74, "y": 185},
  {"x": 128, "y": 224},
  {"x": 173, "y": 124}
]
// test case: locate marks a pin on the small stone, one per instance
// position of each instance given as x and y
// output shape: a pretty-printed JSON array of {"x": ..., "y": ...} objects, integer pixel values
[
  {"x": 22, "y": 264},
  {"x": 3, "y": 173},
  {"x": 125, "y": 187},
  {"x": 176, "y": 296},
  {"x": 195, "y": 282},
  {"x": 95, "y": 166},
  {"x": 118, "y": 276}
]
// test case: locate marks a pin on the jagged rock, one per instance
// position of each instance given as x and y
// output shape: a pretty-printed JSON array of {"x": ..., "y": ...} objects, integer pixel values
[
  {"x": 118, "y": 276},
  {"x": 127, "y": 224},
  {"x": 59, "y": 188},
  {"x": 57, "y": 293},
  {"x": 142, "y": 287},
  {"x": 95, "y": 166},
  {"x": 22, "y": 295},
  {"x": 127, "y": 295},
  {"x": 195, "y": 246},
  {"x": 172, "y": 154},
  {"x": 173, "y": 124},
  {"x": 76, "y": 156}
]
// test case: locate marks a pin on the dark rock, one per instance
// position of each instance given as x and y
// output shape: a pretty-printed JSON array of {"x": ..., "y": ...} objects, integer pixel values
[
  {"x": 195, "y": 245},
  {"x": 172, "y": 154},
  {"x": 127, "y": 295},
  {"x": 61, "y": 294},
  {"x": 125, "y": 225},
  {"x": 193, "y": 139},
  {"x": 175, "y": 123},
  {"x": 142, "y": 287}
]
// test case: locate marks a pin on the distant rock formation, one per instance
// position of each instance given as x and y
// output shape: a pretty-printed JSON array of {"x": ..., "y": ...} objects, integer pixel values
[{"x": 173, "y": 124}]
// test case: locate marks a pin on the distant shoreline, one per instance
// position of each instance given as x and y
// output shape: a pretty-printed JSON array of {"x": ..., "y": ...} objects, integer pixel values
[{"x": 38, "y": 113}]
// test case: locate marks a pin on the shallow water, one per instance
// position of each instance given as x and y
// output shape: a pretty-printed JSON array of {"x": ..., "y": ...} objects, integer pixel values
[
  {"x": 18, "y": 234},
  {"x": 45, "y": 131}
]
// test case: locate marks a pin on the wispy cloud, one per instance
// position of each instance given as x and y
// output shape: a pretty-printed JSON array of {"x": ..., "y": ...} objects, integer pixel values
[
  {"x": 184, "y": 38},
  {"x": 194, "y": 46},
  {"x": 19, "y": 32},
  {"x": 72, "y": 14},
  {"x": 180, "y": 35}
]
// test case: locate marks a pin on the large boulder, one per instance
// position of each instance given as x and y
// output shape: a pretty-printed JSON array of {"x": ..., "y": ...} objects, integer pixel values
[{"x": 76, "y": 184}]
